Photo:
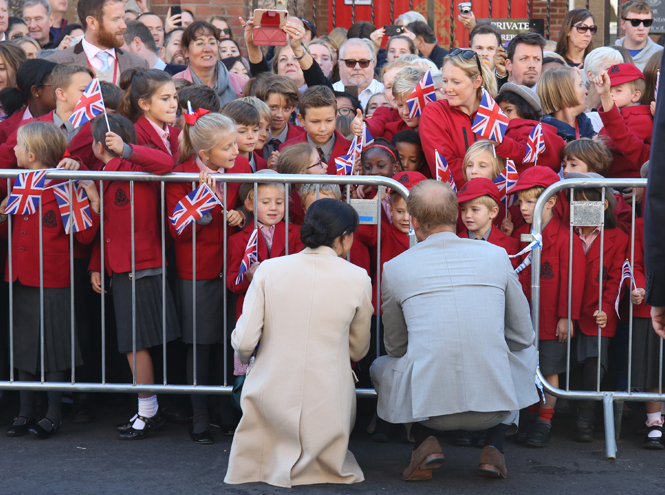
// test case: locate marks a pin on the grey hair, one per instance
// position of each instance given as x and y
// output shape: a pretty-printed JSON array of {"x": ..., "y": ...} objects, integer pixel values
[
  {"x": 598, "y": 57},
  {"x": 409, "y": 17},
  {"x": 34, "y": 3},
  {"x": 356, "y": 42},
  {"x": 407, "y": 79}
]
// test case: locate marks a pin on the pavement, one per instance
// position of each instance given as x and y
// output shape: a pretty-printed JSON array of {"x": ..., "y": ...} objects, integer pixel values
[{"x": 88, "y": 458}]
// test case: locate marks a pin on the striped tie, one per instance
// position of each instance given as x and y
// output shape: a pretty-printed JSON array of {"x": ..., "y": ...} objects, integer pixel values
[{"x": 104, "y": 57}]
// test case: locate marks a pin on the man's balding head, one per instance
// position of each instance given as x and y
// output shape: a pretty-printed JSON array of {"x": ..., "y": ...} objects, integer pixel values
[{"x": 433, "y": 205}]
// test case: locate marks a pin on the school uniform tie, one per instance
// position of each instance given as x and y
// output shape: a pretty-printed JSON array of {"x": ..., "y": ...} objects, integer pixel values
[
  {"x": 104, "y": 57},
  {"x": 274, "y": 143},
  {"x": 322, "y": 156}
]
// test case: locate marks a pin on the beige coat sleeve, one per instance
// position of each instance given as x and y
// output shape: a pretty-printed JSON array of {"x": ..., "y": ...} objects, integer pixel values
[
  {"x": 395, "y": 334},
  {"x": 247, "y": 333},
  {"x": 359, "y": 330}
]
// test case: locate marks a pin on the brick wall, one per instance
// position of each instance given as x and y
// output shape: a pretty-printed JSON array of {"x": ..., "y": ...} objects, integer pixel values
[{"x": 557, "y": 13}]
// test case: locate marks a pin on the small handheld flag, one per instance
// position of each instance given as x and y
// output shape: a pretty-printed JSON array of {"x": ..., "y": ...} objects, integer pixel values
[
  {"x": 27, "y": 191},
  {"x": 193, "y": 206},
  {"x": 367, "y": 137},
  {"x": 490, "y": 122},
  {"x": 344, "y": 165},
  {"x": 89, "y": 106},
  {"x": 422, "y": 94},
  {"x": 535, "y": 144},
  {"x": 655, "y": 91},
  {"x": 80, "y": 218},
  {"x": 443, "y": 173},
  {"x": 346, "y": 162},
  {"x": 251, "y": 255},
  {"x": 506, "y": 182},
  {"x": 626, "y": 272}
]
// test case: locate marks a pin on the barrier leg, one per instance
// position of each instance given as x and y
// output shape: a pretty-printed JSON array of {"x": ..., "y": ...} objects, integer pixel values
[
  {"x": 618, "y": 417},
  {"x": 610, "y": 439}
]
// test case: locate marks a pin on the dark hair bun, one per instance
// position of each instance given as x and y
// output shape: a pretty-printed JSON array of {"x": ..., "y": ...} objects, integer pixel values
[{"x": 326, "y": 220}]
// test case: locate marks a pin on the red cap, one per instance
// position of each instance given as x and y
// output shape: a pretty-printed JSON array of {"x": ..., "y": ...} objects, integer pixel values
[
  {"x": 480, "y": 186},
  {"x": 623, "y": 73},
  {"x": 536, "y": 176},
  {"x": 409, "y": 179}
]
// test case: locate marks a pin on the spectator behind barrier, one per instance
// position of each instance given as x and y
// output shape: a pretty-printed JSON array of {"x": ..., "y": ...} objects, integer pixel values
[
  {"x": 524, "y": 60},
  {"x": 426, "y": 42},
  {"x": 637, "y": 40},
  {"x": 356, "y": 68},
  {"x": 575, "y": 39},
  {"x": 140, "y": 42},
  {"x": 485, "y": 40}
]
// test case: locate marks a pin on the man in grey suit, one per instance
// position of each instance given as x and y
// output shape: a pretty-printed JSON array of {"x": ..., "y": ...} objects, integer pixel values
[
  {"x": 104, "y": 27},
  {"x": 458, "y": 334}
]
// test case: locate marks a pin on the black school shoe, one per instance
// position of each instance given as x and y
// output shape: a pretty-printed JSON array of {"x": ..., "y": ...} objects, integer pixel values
[
  {"x": 203, "y": 438},
  {"x": 157, "y": 421},
  {"x": 462, "y": 438},
  {"x": 654, "y": 443},
  {"x": 584, "y": 434},
  {"x": 44, "y": 429},
  {"x": 539, "y": 435},
  {"x": 20, "y": 427}
]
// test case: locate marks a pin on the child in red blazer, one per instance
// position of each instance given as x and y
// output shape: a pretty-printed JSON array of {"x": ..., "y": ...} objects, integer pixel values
[
  {"x": 554, "y": 281},
  {"x": 597, "y": 316},
  {"x": 646, "y": 344},
  {"x": 317, "y": 114},
  {"x": 212, "y": 139},
  {"x": 265, "y": 119},
  {"x": 150, "y": 100},
  {"x": 112, "y": 149},
  {"x": 627, "y": 124},
  {"x": 479, "y": 205},
  {"x": 522, "y": 106},
  {"x": 41, "y": 145}
]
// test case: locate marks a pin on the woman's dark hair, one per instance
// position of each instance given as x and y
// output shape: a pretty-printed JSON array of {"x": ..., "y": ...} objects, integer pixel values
[
  {"x": 13, "y": 21},
  {"x": 66, "y": 32},
  {"x": 31, "y": 73},
  {"x": 595, "y": 194},
  {"x": 111, "y": 94},
  {"x": 326, "y": 220},
  {"x": 195, "y": 29},
  {"x": 362, "y": 29},
  {"x": 229, "y": 62},
  {"x": 524, "y": 110},
  {"x": 572, "y": 18},
  {"x": 118, "y": 125},
  {"x": 139, "y": 84}
]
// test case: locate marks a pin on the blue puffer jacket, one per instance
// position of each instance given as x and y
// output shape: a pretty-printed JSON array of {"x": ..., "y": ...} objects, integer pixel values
[{"x": 567, "y": 132}]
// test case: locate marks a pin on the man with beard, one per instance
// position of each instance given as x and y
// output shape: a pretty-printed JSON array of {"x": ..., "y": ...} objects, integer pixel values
[
  {"x": 104, "y": 28},
  {"x": 524, "y": 62}
]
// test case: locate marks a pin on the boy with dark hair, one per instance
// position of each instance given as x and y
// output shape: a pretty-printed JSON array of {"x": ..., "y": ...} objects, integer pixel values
[
  {"x": 317, "y": 113},
  {"x": 247, "y": 120}
]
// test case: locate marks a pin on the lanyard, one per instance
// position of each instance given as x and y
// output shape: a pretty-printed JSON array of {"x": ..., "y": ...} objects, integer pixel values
[
  {"x": 115, "y": 67},
  {"x": 577, "y": 129}
]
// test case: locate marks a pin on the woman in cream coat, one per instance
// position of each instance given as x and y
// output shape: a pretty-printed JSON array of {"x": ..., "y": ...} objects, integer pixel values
[{"x": 310, "y": 312}]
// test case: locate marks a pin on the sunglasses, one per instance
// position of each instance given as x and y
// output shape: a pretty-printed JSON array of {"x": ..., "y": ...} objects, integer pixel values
[
  {"x": 636, "y": 22},
  {"x": 583, "y": 28},
  {"x": 467, "y": 54},
  {"x": 352, "y": 63},
  {"x": 226, "y": 31}
]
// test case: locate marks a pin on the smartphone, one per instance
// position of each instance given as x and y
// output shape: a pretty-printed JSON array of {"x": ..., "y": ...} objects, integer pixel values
[
  {"x": 352, "y": 90},
  {"x": 464, "y": 8},
  {"x": 177, "y": 10},
  {"x": 393, "y": 30}
]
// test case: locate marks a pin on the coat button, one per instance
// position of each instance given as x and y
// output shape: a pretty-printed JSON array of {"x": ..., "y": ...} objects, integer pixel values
[
  {"x": 23, "y": 234},
  {"x": 25, "y": 219},
  {"x": 106, "y": 221},
  {"x": 21, "y": 249},
  {"x": 108, "y": 240}
]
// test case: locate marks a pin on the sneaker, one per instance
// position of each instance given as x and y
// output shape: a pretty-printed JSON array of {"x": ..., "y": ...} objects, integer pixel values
[{"x": 539, "y": 435}]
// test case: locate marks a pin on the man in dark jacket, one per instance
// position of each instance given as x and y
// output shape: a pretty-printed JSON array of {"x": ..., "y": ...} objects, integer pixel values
[
  {"x": 140, "y": 41},
  {"x": 425, "y": 41}
]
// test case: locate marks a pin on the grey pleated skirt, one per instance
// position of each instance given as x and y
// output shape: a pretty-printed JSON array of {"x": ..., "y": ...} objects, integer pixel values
[
  {"x": 646, "y": 355},
  {"x": 57, "y": 330},
  {"x": 552, "y": 355},
  {"x": 586, "y": 346},
  {"x": 148, "y": 312},
  {"x": 209, "y": 310}
]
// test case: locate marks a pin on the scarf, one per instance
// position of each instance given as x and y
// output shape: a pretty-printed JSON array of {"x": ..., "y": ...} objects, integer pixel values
[{"x": 222, "y": 86}]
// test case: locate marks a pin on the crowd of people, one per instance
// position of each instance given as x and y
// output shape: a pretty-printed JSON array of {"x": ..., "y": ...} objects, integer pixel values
[{"x": 186, "y": 95}]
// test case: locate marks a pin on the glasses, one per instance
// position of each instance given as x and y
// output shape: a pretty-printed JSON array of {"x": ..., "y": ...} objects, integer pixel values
[
  {"x": 636, "y": 22},
  {"x": 583, "y": 28},
  {"x": 210, "y": 43},
  {"x": 467, "y": 54},
  {"x": 346, "y": 111},
  {"x": 317, "y": 164},
  {"x": 226, "y": 31},
  {"x": 352, "y": 63}
]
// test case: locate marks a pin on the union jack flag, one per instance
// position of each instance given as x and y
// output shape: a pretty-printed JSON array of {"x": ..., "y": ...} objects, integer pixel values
[
  {"x": 344, "y": 165},
  {"x": 192, "y": 207},
  {"x": 421, "y": 95},
  {"x": 251, "y": 255},
  {"x": 535, "y": 144},
  {"x": 443, "y": 173},
  {"x": 80, "y": 217},
  {"x": 506, "y": 181},
  {"x": 89, "y": 106},
  {"x": 626, "y": 273},
  {"x": 27, "y": 191},
  {"x": 367, "y": 137},
  {"x": 490, "y": 122}
]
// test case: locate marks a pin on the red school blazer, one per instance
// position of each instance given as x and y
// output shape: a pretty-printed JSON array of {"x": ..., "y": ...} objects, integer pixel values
[
  {"x": 616, "y": 243},
  {"x": 209, "y": 238},
  {"x": 261, "y": 163},
  {"x": 498, "y": 238},
  {"x": 117, "y": 215},
  {"x": 10, "y": 124},
  {"x": 236, "y": 251},
  {"x": 554, "y": 265},
  {"x": 341, "y": 148},
  {"x": 629, "y": 131},
  {"x": 147, "y": 136},
  {"x": 376, "y": 124},
  {"x": 514, "y": 145},
  {"x": 25, "y": 244}
]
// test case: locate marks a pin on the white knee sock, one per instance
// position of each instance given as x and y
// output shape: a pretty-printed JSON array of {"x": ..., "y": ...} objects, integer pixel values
[
  {"x": 654, "y": 419},
  {"x": 147, "y": 408}
]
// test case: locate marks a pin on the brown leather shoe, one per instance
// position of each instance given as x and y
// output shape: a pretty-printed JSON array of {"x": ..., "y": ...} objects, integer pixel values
[
  {"x": 492, "y": 463},
  {"x": 425, "y": 458}
]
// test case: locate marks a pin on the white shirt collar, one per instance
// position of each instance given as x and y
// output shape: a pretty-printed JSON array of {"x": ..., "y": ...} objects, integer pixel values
[
  {"x": 159, "y": 65},
  {"x": 364, "y": 96}
]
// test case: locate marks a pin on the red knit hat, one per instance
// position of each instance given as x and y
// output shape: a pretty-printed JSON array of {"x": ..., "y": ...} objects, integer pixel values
[{"x": 480, "y": 186}]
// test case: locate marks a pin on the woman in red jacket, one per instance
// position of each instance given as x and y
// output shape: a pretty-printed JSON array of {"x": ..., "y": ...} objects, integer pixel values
[
  {"x": 41, "y": 145},
  {"x": 210, "y": 144},
  {"x": 141, "y": 271},
  {"x": 597, "y": 316}
]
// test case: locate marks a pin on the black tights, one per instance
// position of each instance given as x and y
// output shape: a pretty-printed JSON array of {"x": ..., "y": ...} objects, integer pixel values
[
  {"x": 201, "y": 417},
  {"x": 585, "y": 413},
  {"x": 494, "y": 437},
  {"x": 27, "y": 409}
]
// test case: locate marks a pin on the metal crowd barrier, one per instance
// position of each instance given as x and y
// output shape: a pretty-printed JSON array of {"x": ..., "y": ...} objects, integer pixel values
[
  {"x": 612, "y": 400},
  {"x": 165, "y": 387}
]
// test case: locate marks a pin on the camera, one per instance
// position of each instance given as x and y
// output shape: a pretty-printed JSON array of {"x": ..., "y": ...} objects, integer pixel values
[{"x": 464, "y": 8}]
